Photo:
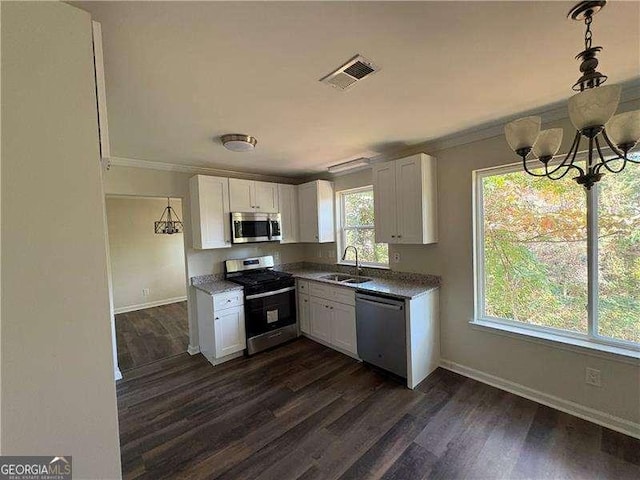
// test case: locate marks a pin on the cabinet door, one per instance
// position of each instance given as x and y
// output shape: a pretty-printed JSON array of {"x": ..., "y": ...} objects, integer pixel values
[
  {"x": 384, "y": 202},
  {"x": 210, "y": 212},
  {"x": 229, "y": 331},
  {"x": 308, "y": 211},
  {"x": 343, "y": 326},
  {"x": 304, "y": 313},
  {"x": 266, "y": 197},
  {"x": 242, "y": 195},
  {"x": 288, "y": 200},
  {"x": 409, "y": 199},
  {"x": 320, "y": 319},
  {"x": 326, "y": 206}
]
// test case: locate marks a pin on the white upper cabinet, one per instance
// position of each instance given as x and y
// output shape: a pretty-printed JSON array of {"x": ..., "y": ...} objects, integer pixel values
[
  {"x": 210, "y": 221},
  {"x": 242, "y": 195},
  {"x": 252, "y": 196},
  {"x": 316, "y": 211},
  {"x": 266, "y": 195},
  {"x": 405, "y": 200},
  {"x": 288, "y": 199}
]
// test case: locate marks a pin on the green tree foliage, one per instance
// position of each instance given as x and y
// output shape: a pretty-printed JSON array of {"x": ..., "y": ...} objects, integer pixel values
[
  {"x": 359, "y": 228},
  {"x": 536, "y": 252}
]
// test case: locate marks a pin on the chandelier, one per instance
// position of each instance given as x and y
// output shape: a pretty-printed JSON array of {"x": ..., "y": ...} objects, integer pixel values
[
  {"x": 167, "y": 225},
  {"x": 592, "y": 113}
]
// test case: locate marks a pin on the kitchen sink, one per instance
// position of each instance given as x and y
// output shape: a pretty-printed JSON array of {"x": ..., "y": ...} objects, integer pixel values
[
  {"x": 357, "y": 280},
  {"x": 339, "y": 277}
]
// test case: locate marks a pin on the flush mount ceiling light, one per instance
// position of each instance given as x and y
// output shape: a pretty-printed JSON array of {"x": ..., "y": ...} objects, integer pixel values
[
  {"x": 238, "y": 142},
  {"x": 592, "y": 114},
  {"x": 168, "y": 225},
  {"x": 343, "y": 167}
]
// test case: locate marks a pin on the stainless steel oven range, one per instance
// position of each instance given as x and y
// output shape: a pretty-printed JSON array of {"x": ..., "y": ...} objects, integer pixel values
[{"x": 269, "y": 302}]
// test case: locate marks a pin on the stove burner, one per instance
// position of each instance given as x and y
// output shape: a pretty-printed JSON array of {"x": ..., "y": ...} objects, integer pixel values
[{"x": 259, "y": 277}]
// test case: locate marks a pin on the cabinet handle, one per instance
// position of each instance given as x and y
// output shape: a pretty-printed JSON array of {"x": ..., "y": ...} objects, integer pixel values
[
  {"x": 217, "y": 318},
  {"x": 399, "y": 236},
  {"x": 258, "y": 206},
  {"x": 393, "y": 236},
  {"x": 331, "y": 308}
]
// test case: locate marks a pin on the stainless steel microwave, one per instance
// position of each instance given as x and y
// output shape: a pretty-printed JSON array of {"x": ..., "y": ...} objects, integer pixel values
[{"x": 249, "y": 227}]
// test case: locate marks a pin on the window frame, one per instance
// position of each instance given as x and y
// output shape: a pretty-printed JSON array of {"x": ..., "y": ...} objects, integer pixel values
[
  {"x": 591, "y": 339},
  {"x": 340, "y": 227}
]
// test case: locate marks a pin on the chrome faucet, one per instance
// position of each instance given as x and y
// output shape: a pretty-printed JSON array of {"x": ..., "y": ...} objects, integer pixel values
[{"x": 344, "y": 256}]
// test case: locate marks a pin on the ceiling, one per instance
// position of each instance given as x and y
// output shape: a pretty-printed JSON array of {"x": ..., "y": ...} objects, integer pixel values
[{"x": 180, "y": 74}]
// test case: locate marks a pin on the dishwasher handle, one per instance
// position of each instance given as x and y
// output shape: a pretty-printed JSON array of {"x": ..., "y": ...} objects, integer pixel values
[{"x": 381, "y": 302}]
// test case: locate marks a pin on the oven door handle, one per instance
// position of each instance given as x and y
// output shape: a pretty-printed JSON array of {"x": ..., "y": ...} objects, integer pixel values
[{"x": 268, "y": 294}]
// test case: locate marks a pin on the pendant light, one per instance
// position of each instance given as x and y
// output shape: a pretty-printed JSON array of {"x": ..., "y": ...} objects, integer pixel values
[
  {"x": 592, "y": 113},
  {"x": 167, "y": 225}
]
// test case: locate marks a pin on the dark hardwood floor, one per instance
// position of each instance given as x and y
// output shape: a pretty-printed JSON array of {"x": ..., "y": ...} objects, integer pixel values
[
  {"x": 149, "y": 335},
  {"x": 303, "y": 411}
]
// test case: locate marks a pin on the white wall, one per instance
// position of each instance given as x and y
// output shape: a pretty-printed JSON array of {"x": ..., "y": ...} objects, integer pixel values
[
  {"x": 120, "y": 180},
  {"x": 550, "y": 370},
  {"x": 140, "y": 258},
  {"x": 58, "y": 394}
]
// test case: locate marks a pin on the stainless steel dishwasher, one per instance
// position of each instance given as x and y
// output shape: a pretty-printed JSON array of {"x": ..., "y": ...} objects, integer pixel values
[{"x": 381, "y": 332}]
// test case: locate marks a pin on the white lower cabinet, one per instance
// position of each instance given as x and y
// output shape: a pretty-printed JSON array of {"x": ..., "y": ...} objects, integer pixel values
[
  {"x": 229, "y": 331},
  {"x": 320, "y": 319},
  {"x": 304, "y": 313},
  {"x": 343, "y": 327},
  {"x": 330, "y": 322},
  {"x": 221, "y": 329}
]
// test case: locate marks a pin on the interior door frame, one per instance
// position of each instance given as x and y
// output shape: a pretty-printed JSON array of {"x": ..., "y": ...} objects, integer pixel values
[{"x": 117, "y": 373}]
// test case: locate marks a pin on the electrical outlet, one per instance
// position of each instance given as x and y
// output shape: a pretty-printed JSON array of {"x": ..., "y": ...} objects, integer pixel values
[
  {"x": 276, "y": 258},
  {"x": 593, "y": 377},
  {"x": 145, "y": 292},
  {"x": 396, "y": 257}
]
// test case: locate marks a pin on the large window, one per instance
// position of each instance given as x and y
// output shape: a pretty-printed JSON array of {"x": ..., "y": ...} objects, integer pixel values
[
  {"x": 356, "y": 227},
  {"x": 552, "y": 258}
]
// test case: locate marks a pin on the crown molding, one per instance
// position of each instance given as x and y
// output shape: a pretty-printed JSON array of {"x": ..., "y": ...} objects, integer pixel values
[{"x": 195, "y": 170}]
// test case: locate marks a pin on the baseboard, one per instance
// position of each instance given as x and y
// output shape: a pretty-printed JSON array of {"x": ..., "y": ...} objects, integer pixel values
[
  {"x": 586, "y": 413},
  {"x": 193, "y": 350},
  {"x": 142, "y": 306}
]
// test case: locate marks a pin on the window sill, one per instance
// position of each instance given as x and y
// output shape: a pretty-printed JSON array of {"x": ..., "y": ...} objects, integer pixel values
[
  {"x": 610, "y": 352},
  {"x": 364, "y": 265}
]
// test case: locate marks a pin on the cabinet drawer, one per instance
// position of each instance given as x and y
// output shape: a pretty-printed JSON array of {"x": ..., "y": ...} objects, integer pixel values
[
  {"x": 303, "y": 286},
  {"x": 321, "y": 290},
  {"x": 228, "y": 300},
  {"x": 344, "y": 295},
  {"x": 336, "y": 294}
]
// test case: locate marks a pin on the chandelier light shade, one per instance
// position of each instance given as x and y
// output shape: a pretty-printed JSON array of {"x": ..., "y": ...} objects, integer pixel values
[
  {"x": 592, "y": 113},
  {"x": 624, "y": 128},
  {"x": 548, "y": 143},
  {"x": 169, "y": 222},
  {"x": 522, "y": 133},
  {"x": 594, "y": 107}
]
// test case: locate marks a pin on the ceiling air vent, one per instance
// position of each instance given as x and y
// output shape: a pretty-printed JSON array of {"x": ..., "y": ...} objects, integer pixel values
[{"x": 352, "y": 72}]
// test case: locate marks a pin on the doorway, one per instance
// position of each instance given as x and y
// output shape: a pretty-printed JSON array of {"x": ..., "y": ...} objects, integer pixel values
[{"x": 148, "y": 278}]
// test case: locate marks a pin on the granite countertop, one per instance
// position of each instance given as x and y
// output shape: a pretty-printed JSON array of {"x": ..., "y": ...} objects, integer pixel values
[
  {"x": 213, "y": 285},
  {"x": 403, "y": 285}
]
